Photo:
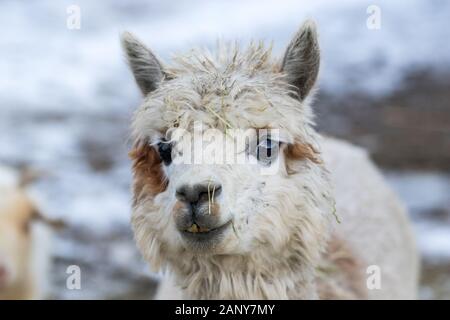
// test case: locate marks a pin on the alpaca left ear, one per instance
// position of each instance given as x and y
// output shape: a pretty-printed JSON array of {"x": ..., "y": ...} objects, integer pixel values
[
  {"x": 302, "y": 59},
  {"x": 146, "y": 68}
]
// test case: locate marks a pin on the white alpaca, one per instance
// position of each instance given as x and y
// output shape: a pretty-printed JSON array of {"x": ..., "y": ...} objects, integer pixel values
[
  {"x": 226, "y": 231},
  {"x": 24, "y": 243}
]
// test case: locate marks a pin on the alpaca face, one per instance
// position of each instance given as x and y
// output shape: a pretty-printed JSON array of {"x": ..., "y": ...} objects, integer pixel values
[
  {"x": 224, "y": 157},
  {"x": 213, "y": 199}
]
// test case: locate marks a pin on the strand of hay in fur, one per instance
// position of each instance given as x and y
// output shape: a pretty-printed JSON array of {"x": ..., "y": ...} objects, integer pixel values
[
  {"x": 210, "y": 199},
  {"x": 334, "y": 212},
  {"x": 228, "y": 58}
]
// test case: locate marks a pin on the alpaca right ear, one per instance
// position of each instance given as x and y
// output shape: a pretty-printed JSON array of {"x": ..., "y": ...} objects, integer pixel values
[
  {"x": 146, "y": 68},
  {"x": 302, "y": 59}
]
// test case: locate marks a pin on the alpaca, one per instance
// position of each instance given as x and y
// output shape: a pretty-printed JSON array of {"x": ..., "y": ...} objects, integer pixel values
[
  {"x": 310, "y": 229},
  {"x": 24, "y": 242}
]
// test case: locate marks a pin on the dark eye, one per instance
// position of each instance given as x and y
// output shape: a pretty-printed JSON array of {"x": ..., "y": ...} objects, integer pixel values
[
  {"x": 165, "y": 152},
  {"x": 267, "y": 150}
]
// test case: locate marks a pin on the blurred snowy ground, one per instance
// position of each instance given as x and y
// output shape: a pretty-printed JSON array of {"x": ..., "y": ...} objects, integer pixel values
[{"x": 66, "y": 97}]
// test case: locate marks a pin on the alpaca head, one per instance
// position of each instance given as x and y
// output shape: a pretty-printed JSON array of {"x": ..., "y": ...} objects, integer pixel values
[{"x": 199, "y": 193}]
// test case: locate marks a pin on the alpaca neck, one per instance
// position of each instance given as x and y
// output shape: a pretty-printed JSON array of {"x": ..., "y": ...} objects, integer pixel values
[{"x": 232, "y": 277}]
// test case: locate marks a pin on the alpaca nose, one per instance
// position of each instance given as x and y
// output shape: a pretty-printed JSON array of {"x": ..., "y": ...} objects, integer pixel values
[{"x": 197, "y": 193}]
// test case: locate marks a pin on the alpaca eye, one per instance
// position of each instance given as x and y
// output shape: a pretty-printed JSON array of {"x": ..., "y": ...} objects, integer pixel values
[
  {"x": 267, "y": 150},
  {"x": 165, "y": 152}
]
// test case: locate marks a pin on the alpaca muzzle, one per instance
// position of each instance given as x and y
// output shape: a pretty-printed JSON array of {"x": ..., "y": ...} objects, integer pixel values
[
  {"x": 198, "y": 213},
  {"x": 197, "y": 217}
]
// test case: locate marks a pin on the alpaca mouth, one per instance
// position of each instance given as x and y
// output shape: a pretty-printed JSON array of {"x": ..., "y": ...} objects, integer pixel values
[
  {"x": 202, "y": 234},
  {"x": 194, "y": 228}
]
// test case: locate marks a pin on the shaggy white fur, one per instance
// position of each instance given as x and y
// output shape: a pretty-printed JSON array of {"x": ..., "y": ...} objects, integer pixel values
[{"x": 282, "y": 224}]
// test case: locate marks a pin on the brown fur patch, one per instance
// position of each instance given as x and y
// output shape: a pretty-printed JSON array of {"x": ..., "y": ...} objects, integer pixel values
[
  {"x": 149, "y": 179},
  {"x": 302, "y": 151},
  {"x": 341, "y": 276}
]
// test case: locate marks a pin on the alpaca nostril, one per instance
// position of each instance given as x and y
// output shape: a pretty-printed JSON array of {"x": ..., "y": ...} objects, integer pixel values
[
  {"x": 198, "y": 192},
  {"x": 216, "y": 190},
  {"x": 180, "y": 194}
]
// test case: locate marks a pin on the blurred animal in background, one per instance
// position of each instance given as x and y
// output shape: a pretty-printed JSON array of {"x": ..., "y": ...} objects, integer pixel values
[
  {"x": 25, "y": 236},
  {"x": 226, "y": 231}
]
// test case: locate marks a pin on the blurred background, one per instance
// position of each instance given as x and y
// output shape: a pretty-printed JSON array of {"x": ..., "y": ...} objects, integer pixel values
[{"x": 66, "y": 98}]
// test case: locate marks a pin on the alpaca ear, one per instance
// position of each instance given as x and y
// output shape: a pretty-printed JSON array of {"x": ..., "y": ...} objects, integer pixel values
[
  {"x": 302, "y": 59},
  {"x": 146, "y": 69}
]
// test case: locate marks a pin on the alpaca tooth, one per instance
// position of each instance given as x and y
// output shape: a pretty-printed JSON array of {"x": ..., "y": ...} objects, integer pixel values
[{"x": 193, "y": 228}]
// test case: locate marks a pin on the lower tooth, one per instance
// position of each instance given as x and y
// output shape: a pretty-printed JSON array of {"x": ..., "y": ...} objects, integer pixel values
[{"x": 193, "y": 228}]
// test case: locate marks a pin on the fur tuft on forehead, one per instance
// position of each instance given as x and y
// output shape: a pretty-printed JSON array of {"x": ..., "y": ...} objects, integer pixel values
[
  {"x": 231, "y": 88},
  {"x": 227, "y": 58}
]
